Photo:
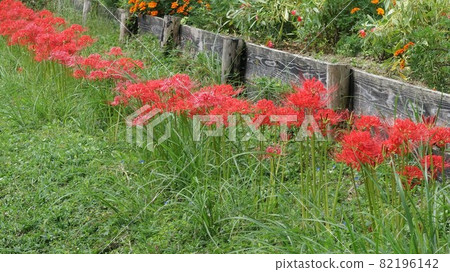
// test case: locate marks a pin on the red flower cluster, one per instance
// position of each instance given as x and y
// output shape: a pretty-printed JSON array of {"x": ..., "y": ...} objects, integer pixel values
[
  {"x": 360, "y": 148},
  {"x": 413, "y": 174},
  {"x": 49, "y": 38},
  {"x": 369, "y": 142},
  {"x": 179, "y": 94}
]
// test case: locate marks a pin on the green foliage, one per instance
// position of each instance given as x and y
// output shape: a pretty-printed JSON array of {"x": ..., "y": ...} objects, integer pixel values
[
  {"x": 349, "y": 46},
  {"x": 327, "y": 21},
  {"x": 36, "y": 4},
  {"x": 267, "y": 88},
  {"x": 214, "y": 19},
  {"x": 429, "y": 59},
  {"x": 271, "y": 19},
  {"x": 423, "y": 22}
]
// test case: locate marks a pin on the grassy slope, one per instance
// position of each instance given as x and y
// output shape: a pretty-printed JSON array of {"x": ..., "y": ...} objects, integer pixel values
[{"x": 65, "y": 186}]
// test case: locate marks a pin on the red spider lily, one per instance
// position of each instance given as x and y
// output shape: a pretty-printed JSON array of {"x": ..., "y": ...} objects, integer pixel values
[
  {"x": 273, "y": 150},
  {"x": 264, "y": 109},
  {"x": 49, "y": 39},
  {"x": 439, "y": 136},
  {"x": 327, "y": 119},
  {"x": 312, "y": 95},
  {"x": 115, "y": 51},
  {"x": 119, "y": 100},
  {"x": 404, "y": 136},
  {"x": 366, "y": 123},
  {"x": 413, "y": 174},
  {"x": 285, "y": 114},
  {"x": 434, "y": 164},
  {"x": 360, "y": 148},
  {"x": 429, "y": 121}
]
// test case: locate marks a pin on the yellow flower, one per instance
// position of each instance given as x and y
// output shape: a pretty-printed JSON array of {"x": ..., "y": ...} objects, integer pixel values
[
  {"x": 375, "y": 2},
  {"x": 380, "y": 11},
  {"x": 354, "y": 10},
  {"x": 152, "y": 5}
]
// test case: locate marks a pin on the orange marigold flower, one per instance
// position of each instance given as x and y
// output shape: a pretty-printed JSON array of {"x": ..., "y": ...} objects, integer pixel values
[
  {"x": 354, "y": 10},
  {"x": 152, "y": 5},
  {"x": 408, "y": 45},
  {"x": 174, "y": 5},
  {"x": 399, "y": 52},
  {"x": 180, "y": 9},
  {"x": 380, "y": 11},
  {"x": 154, "y": 13},
  {"x": 375, "y": 2}
]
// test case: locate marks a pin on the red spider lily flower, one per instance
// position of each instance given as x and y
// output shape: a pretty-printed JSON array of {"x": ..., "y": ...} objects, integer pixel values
[
  {"x": 79, "y": 74},
  {"x": 285, "y": 114},
  {"x": 360, "y": 148},
  {"x": 404, "y": 136},
  {"x": 273, "y": 150},
  {"x": 414, "y": 176},
  {"x": 264, "y": 109},
  {"x": 115, "y": 51},
  {"x": 326, "y": 117},
  {"x": 312, "y": 95},
  {"x": 440, "y": 136},
  {"x": 230, "y": 106},
  {"x": 119, "y": 100},
  {"x": 434, "y": 164},
  {"x": 429, "y": 121},
  {"x": 367, "y": 122}
]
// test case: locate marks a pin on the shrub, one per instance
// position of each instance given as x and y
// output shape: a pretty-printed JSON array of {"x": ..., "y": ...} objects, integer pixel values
[
  {"x": 36, "y": 4},
  {"x": 422, "y": 22},
  {"x": 276, "y": 19}
]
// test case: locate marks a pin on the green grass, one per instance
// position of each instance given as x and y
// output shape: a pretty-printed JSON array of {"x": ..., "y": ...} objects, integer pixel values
[{"x": 69, "y": 181}]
